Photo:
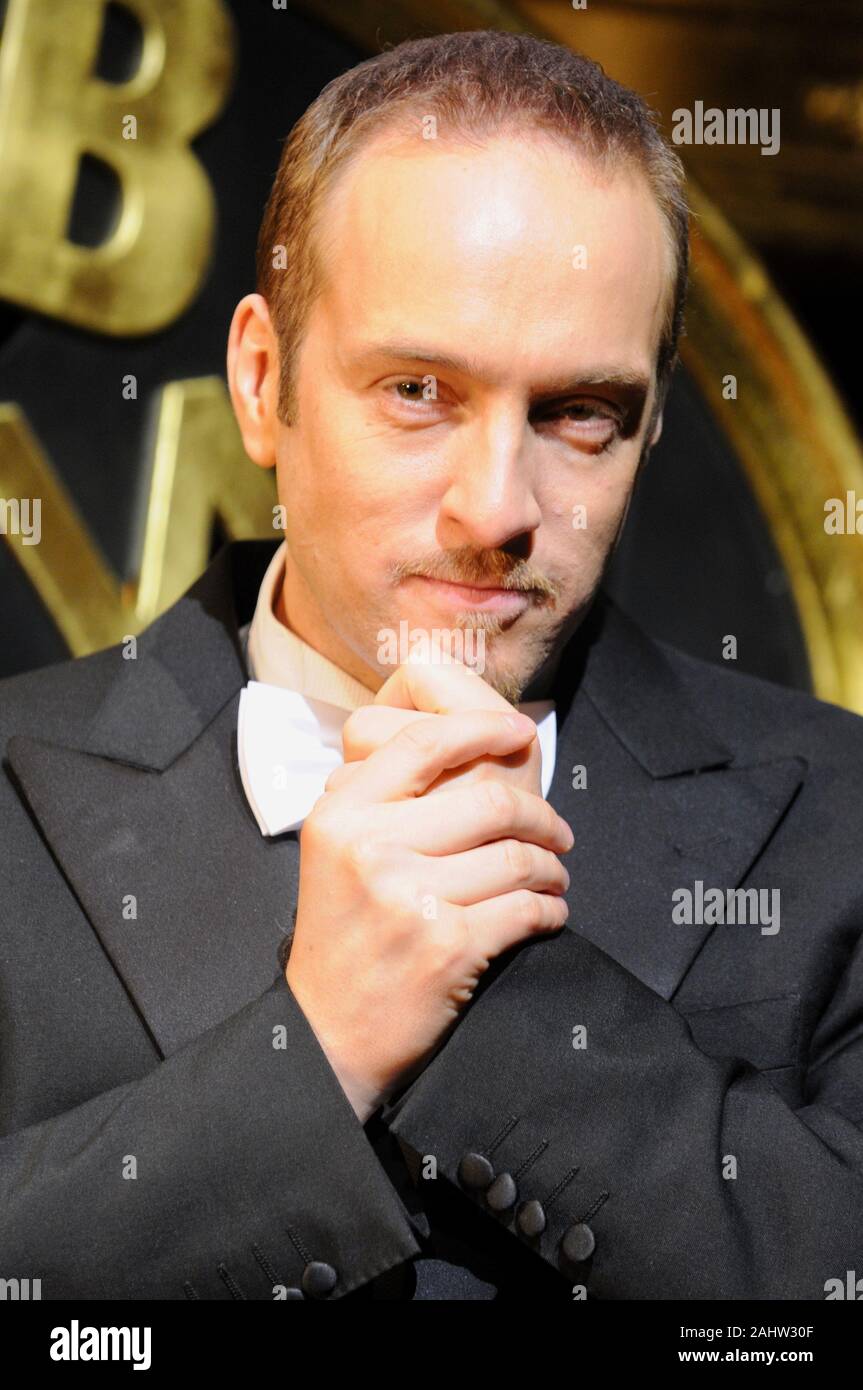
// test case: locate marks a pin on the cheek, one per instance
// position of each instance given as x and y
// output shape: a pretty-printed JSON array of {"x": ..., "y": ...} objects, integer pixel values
[
  {"x": 608, "y": 488},
  {"x": 583, "y": 517}
]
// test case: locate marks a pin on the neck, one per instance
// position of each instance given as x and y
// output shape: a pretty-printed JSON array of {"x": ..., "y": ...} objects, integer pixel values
[{"x": 297, "y": 610}]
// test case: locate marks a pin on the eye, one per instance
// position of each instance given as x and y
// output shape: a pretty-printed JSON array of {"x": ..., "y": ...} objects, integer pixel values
[
  {"x": 415, "y": 391},
  {"x": 594, "y": 423}
]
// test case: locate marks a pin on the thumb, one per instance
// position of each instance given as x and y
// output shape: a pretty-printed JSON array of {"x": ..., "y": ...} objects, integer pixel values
[{"x": 439, "y": 687}]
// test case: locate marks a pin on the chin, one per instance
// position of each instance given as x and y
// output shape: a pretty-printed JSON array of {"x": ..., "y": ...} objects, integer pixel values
[{"x": 510, "y": 688}]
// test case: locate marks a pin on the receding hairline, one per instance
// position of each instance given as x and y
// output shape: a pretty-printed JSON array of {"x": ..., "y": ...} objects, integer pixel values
[
  {"x": 386, "y": 140},
  {"x": 473, "y": 84}
]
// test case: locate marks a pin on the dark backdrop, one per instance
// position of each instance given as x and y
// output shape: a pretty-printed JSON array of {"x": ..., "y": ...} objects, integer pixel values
[{"x": 695, "y": 563}]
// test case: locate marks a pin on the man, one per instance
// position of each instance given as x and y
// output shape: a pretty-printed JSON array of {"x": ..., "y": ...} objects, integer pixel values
[{"x": 471, "y": 276}]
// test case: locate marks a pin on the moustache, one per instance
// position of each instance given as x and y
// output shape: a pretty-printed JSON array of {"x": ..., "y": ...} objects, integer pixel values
[{"x": 492, "y": 568}]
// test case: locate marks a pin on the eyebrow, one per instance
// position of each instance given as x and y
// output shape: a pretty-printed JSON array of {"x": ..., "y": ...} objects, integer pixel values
[{"x": 633, "y": 382}]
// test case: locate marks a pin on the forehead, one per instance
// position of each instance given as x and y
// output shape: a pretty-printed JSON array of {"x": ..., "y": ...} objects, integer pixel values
[{"x": 517, "y": 245}]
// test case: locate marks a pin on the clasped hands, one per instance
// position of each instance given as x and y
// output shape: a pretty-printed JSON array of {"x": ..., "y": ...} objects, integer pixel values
[{"x": 430, "y": 852}]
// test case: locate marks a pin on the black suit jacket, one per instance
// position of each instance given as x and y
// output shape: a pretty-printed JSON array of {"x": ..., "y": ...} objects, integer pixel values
[{"x": 637, "y": 1108}]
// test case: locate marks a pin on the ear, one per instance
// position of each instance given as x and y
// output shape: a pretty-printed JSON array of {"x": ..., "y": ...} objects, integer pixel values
[
  {"x": 253, "y": 378},
  {"x": 657, "y": 430}
]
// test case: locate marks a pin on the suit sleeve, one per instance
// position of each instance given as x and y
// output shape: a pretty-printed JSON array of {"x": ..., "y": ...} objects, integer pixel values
[
  {"x": 236, "y": 1168},
  {"x": 635, "y": 1164}
]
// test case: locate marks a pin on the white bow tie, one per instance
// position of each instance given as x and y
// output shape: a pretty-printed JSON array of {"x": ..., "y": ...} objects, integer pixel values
[{"x": 288, "y": 745}]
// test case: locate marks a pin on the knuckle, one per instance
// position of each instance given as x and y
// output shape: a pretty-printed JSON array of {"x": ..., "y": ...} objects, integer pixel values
[
  {"x": 535, "y": 912},
  {"x": 552, "y": 867},
  {"x": 393, "y": 889},
  {"x": 334, "y": 780},
  {"x": 498, "y": 799},
  {"x": 519, "y": 860},
  {"x": 354, "y": 720},
  {"x": 329, "y": 833},
  {"x": 525, "y": 909},
  {"x": 352, "y": 730},
  {"x": 419, "y": 736},
  {"x": 444, "y": 955},
  {"x": 363, "y": 855},
  {"x": 320, "y": 825}
]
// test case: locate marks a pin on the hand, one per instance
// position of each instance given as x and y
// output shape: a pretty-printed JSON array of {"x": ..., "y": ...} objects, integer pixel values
[
  {"x": 405, "y": 899},
  {"x": 407, "y": 696}
]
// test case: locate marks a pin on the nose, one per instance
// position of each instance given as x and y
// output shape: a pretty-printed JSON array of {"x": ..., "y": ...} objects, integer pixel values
[{"x": 490, "y": 498}]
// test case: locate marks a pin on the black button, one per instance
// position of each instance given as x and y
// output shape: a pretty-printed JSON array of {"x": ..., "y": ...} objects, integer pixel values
[
  {"x": 476, "y": 1171},
  {"x": 292, "y": 1293},
  {"x": 579, "y": 1243},
  {"x": 319, "y": 1279},
  {"x": 531, "y": 1218},
  {"x": 503, "y": 1193}
]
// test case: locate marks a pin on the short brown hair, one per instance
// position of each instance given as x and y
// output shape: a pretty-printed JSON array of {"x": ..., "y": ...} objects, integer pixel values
[{"x": 476, "y": 84}]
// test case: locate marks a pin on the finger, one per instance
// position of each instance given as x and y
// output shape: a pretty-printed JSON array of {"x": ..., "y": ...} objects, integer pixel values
[
  {"x": 364, "y": 745},
  {"x": 499, "y": 923},
  {"x": 340, "y": 776},
  {"x": 486, "y": 768},
  {"x": 439, "y": 688},
  {"x": 494, "y": 869},
  {"x": 407, "y": 764},
  {"x": 366, "y": 728},
  {"x": 479, "y": 813}
]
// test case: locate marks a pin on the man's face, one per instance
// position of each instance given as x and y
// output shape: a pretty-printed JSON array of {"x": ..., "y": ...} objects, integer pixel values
[{"x": 474, "y": 390}]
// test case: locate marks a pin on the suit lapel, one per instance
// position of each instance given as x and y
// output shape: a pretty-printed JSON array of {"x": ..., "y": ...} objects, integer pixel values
[
  {"x": 666, "y": 803},
  {"x": 147, "y": 819}
]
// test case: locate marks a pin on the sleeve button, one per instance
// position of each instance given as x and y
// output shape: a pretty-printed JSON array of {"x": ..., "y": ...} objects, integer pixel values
[
  {"x": 531, "y": 1219},
  {"x": 503, "y": 1193},
  {"x": 319, "y": 1279},
  {"x": 475, "y": 1171},
  {"x": 579, "y": 1243}
]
